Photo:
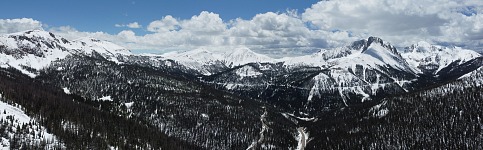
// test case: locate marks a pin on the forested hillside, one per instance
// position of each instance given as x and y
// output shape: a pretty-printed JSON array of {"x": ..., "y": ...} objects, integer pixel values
[
  {"x": 445, "y": 117},
  {"x": 79, "y": 125}
]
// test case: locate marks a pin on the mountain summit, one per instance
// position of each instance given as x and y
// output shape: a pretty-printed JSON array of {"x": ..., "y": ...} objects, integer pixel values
[
  {"x": 431, "y": 59},
  {"x": 33, "y": 50}
]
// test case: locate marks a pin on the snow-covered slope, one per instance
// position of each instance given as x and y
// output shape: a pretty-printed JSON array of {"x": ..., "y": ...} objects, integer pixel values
[
  {"x": 31, "y": 51},
  {"x": 13, "y": 118},
  {"x": 200, "y": 55},
  {"x": 363, "y": 68},
  {"x": 88, "y": 45},
  {"x": 107, "y": 49},
  {"x": 427, "y": 58},
  {"x": 243, "y": 55},
  {"x": 198, "y": 59},
  {"x": 373, "y": 53},
  {"x": 369, "y": 53},
  {"x": 203, "y": 60},
  {"x": 247, "y": 71},
  {"x": 316, "y": 59}
]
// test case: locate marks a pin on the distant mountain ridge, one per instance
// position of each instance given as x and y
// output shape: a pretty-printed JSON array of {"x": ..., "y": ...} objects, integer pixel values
[
  {"x": 36, "y": 49},
  {"x": 356, "y": 72}
]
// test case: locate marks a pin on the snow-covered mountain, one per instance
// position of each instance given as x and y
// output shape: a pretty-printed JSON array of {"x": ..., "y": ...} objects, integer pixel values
[
  {"x": 243, "y": 55},
  {"x": 427, "y": 58},
  {"x": 31, "y": 51},
  {"x": 355, "y": 73},
  {"x": 205, "y": 60},
  {"x": 358, "y": 72}
]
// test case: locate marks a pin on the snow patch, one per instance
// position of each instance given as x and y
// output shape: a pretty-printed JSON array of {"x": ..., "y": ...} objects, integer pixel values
[
  {"x": 205, "y": 115},
  {"x": 376, "y": 110},
  {"x": 247, "y": 71},
  {"x": 288, "y": 116},
  {"x": 105, "y": 98},
  {"x": 302, "y": 138},
  {"x": 129, "y": 105},
  {"x": 19, "y": 115},
  {"x": 66, "y": 90}
]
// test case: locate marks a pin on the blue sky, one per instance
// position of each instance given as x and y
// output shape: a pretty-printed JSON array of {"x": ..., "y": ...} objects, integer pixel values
[
  {"x": 102, "y": 15},
  {"x": 270, "y": 27}
]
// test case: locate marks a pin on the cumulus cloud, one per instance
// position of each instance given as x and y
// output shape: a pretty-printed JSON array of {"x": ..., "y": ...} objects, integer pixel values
[
  {"x": 403, "y": 22},
  {"x": 166, "y": 24},
  {"x": 204, "y": 23},
  {"x": 133, "y": 25},
  {"x": 18, "y": 25},
  {"x": 275, "y": 33}
]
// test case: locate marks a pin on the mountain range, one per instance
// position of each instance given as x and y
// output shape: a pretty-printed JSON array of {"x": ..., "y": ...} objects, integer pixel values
[{"x": 240, "y": 99}]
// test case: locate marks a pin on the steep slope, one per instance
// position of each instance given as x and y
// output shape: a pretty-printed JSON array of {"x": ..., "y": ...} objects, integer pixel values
[
  {"x": 31, "y": 50},
  {"x": 373, "y": 54},
  {"x": 20, "y": 131}
]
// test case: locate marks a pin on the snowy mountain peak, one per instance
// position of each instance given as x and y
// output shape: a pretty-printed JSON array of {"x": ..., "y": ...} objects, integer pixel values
[
  {"x": 368, "y": 53},
  {"x": 244, "y": 55},
  {"x": 379, "y": 41},
  {"x": 33, "y": 33},
  {"x": 33, "y": 38},
  {"x": 30, "y": 51},
  {"x": 373, "y": 39},
  {"x": 422, "y": 46},
  {"x": 428, "y": 58},
  {"x": 363, "y": 44}
]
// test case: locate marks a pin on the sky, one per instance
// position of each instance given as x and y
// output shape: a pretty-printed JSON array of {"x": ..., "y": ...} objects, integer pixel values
[{"x": 273, "y": 27}]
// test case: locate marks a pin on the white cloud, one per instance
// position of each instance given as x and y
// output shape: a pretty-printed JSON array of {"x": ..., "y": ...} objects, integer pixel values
[
  {"x": 402, "y": 22},
  {"x": 276, "y": 34},
  {"x": 205, "y": 23},
  {"x": 18, "y": 25},
  {"x": 133, "y": 25},
  {"x": 166, "y": 24},
  {"x": 128, "y": 35}
]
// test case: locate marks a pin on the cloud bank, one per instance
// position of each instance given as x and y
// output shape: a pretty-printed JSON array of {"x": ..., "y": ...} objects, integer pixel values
[
  {"x": 17, "y": 25},
  {"x": 325, "y": 24}
]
